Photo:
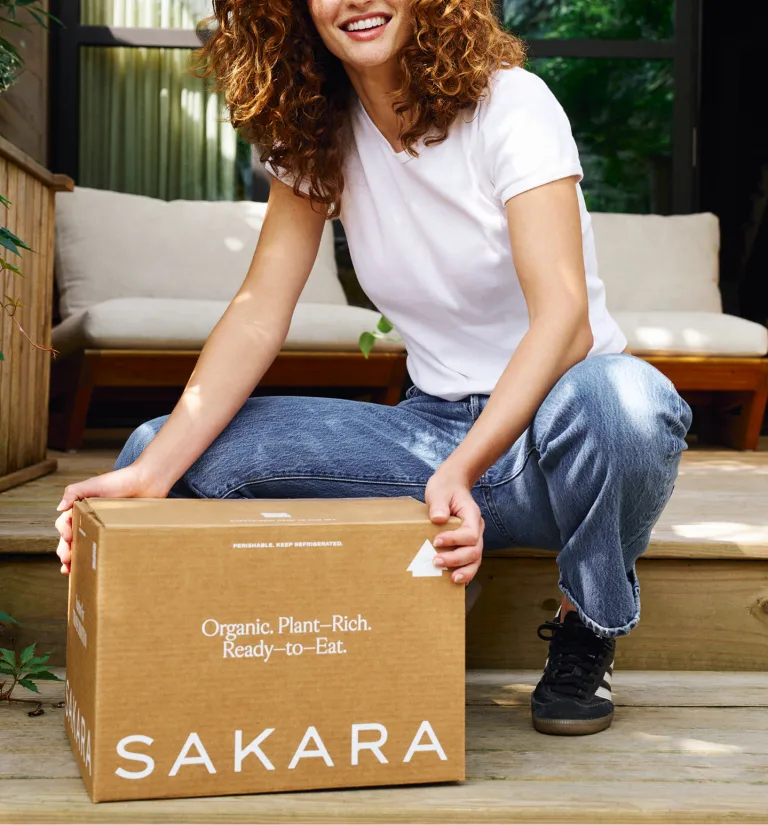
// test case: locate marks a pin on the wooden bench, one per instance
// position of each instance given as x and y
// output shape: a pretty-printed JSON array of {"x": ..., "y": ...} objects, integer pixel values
[
  {"x": 75, "y": 377},
  {"x": 136, "y": 307},
  {"x": 730, "y": 395}
]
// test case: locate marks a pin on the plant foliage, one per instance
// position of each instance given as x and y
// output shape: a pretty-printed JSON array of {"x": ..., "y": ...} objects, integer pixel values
[
  {"x": 26, "y": 669},
  {"x": 11, "y": 59},
  {"x": 368, "y": 339},
  {"x": 11, "y": 65}
]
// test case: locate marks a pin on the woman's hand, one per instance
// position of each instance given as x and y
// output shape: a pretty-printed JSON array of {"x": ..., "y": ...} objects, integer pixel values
[
  {"x": 130, "y": 482},
  {"x": 448, "y": 495}
]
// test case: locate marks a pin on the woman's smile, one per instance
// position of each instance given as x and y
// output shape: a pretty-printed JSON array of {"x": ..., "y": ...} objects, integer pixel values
[
  {"x": 364, "y": 34},
  {"x": 366, "y": 27}
]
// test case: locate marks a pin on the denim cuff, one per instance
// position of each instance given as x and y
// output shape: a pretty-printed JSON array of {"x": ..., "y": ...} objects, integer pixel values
[{"x": 609, "y": 632}]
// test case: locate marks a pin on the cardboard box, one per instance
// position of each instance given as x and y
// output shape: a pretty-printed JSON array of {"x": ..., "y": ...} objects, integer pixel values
[{"x": 229, "y": 647}]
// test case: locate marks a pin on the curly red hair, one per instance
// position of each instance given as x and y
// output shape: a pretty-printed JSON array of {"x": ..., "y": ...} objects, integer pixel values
[{"x": 286, "y": 92}]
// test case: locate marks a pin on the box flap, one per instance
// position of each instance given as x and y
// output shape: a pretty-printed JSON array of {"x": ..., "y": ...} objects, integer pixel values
[{"x": 185, "y": 512}]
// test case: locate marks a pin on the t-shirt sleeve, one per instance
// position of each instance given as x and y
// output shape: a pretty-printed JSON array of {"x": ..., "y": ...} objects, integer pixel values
[
  {"x": 526, "y": 135},
  {"x": 288, "y": 178}
]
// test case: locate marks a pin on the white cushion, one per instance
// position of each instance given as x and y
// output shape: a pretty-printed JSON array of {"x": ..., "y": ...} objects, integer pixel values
[
  {"x": 692, "y": 333},
  {"x": 111, "y": 245},
  {"x": 182, "y": 323},
  {"x": 655, "y": 262}
]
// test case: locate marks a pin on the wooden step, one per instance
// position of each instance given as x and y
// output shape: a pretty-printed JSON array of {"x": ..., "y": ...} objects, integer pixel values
[
  {"x": 704, "y": 578},
  {"x": 684, "y": 747}
]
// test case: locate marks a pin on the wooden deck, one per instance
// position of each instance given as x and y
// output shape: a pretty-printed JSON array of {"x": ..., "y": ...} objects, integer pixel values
[
  {"x": 684, "y": 747},
  {"x": 708, "y": 557},
  {"x": 719, "y": 505}
]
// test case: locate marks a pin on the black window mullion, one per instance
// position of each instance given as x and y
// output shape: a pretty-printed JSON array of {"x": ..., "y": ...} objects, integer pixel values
[
  {"x": 64, "y": 88},
  {"x": 596, "y": 48},
  {"x": 686, "y": 106}
]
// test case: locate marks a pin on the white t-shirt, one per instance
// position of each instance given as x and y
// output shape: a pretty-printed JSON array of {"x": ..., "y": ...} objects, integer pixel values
[{"x": 429, "y": 240}]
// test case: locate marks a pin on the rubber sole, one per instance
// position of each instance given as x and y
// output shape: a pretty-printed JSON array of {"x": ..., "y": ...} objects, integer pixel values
[{"x": 572, "y": 727}]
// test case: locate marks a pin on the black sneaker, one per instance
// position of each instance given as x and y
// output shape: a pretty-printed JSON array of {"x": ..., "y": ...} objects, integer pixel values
[{"x": 573, "y": 697}]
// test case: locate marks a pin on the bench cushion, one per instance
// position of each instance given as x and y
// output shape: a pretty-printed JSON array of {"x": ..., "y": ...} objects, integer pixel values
[
  {"x": 656, "y": 262},
  {"x": 692, "y": 333},
  {"x": 165, "y": 323},
  {"x": 112, "y": 245}
]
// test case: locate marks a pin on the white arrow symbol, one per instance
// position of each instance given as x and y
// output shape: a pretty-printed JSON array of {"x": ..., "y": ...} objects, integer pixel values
[{"x": 422, "y": 562}]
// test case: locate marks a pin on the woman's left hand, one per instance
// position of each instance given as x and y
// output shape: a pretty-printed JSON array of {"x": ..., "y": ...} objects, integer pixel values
[{"x": 447, "y": 495}]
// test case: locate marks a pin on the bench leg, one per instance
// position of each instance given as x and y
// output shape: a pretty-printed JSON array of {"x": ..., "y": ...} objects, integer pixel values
[
  {"x": 742, "y": 431},
  {"x": 71, "y": 384},
  {"x": 389, "y": 396}
]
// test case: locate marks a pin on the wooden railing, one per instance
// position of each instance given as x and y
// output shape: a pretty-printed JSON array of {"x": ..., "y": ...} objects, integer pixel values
[{"x": 24, "y": 374}]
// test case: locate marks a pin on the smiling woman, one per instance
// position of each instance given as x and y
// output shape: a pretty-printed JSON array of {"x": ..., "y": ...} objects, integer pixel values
[
  {"x": 457, "y": 177},
  {"x": 290, "y": 89}
]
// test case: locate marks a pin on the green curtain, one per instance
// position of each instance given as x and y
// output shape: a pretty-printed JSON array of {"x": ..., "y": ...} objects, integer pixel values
[
  {"x": 147, "y": 126},
  {"x": 164, "y": 14}
]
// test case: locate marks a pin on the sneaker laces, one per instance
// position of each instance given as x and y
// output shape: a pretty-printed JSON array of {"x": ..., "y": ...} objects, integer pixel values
[{"x": 576, "y": 655}]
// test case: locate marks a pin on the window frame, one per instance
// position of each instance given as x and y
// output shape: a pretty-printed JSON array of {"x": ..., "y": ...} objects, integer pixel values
[{"x": 684, "y": 50}]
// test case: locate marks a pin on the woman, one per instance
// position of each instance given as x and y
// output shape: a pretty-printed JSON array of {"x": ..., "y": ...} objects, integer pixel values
[{"x": 456, "y": 176}]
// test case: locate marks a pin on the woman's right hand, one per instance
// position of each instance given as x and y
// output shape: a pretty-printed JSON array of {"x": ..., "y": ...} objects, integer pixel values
[{"x": 129, "y": 482}]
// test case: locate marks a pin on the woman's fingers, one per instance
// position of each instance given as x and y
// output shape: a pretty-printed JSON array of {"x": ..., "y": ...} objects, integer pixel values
[
  {"x": 466, "y": 541},
  {"x": 64, "y": 551},
  {"x": 460, "y": 557},
  {"x": 83, "y": 489},
  {"x": 439, "y": 504},
  {"x": 64, "y": 525},
  {"x": 464, "y": 575},
  {"x": 72, "y": 493},
  {"x": 466, "y": 534}
]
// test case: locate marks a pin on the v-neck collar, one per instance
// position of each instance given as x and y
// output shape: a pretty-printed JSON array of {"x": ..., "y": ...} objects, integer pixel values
[{"x": 403, "y": 156}]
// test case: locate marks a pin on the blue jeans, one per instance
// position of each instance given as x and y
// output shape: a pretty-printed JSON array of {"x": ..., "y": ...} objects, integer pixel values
[{"x": 588, "y": 479}]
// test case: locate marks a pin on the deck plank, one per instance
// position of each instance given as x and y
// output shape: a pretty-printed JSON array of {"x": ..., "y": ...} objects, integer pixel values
[
  {"x": 634, "y": 688},
  {"x": 717, "y": 511},
  {"x": 662, "y": 761}
]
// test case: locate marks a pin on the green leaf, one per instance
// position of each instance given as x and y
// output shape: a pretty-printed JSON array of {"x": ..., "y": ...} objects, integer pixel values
[
  {"x": 385, "y": 325},
  {"x": 29, "y": 685},
  {"x": 9, "y": 47},
  {"x": 366, "y": 343},
  {"x": 44, "y": 676},
  {"x": 39, "y": 660},
  {"x": 26, "y": 655},
  {"x": 8, "y": 656},
  {"x": 5, "y": 202},
  {"x": 6, "y": 668},
  {"x": 4, "y": 617},
  {"x": 36, "y": 668},
  {"x": 12, "y": 267},
  {"x": 2, "y": 357},
  {"x": 5, "y": 232},
  {"x": 8, "y": 244}
]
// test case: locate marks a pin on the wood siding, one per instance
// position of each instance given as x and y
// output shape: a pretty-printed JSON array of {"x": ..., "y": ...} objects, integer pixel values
[{"x": 24, "y": 374}]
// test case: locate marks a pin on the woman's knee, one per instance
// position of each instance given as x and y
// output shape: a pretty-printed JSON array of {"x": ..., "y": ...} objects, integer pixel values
[
  {"x": 138, "y": 441},
  {"x": 623, "y": 402}
]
